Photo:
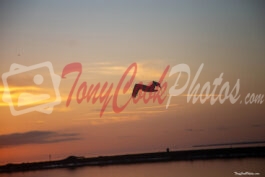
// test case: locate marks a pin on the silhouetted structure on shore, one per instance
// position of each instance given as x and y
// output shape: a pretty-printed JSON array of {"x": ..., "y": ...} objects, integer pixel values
[{"x": 73, "y": 161}]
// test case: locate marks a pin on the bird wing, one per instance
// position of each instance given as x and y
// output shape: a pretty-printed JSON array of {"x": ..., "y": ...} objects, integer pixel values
[{"x": 136, "y": 89}]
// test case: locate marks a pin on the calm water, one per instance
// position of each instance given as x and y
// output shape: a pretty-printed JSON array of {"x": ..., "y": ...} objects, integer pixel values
[{"x": 202, "y": 168}]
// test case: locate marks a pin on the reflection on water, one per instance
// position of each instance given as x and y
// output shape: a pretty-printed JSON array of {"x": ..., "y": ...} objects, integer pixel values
[{"x": 205, "y": 168}]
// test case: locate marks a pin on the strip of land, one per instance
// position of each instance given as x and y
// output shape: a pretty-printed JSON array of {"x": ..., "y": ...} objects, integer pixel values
[{"x": 73, "y": 161}]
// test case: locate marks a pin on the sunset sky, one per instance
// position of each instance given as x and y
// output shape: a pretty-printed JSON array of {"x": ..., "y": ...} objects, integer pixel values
[{"x": 106, "y": 37}]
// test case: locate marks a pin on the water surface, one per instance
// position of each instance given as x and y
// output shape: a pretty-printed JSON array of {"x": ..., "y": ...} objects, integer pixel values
[{"x": 202, "y": 168}]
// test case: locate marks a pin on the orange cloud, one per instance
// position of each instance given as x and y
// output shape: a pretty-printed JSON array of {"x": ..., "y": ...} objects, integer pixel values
[{"x": 13, "y": 93}]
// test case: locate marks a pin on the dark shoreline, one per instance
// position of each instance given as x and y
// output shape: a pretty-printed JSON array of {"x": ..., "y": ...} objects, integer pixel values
[{"x": 202, "y": 154}]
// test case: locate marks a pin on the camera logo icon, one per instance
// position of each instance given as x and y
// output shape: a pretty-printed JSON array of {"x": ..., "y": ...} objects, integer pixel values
[{"x": 31, "y": 88}]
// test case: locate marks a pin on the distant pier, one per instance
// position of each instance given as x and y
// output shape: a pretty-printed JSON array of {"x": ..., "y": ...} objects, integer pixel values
[{"x": 201, "y": 154}]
